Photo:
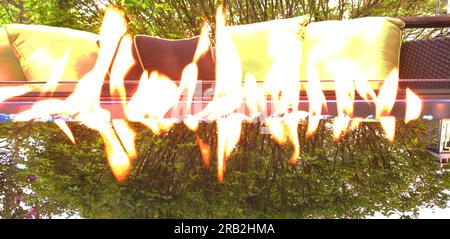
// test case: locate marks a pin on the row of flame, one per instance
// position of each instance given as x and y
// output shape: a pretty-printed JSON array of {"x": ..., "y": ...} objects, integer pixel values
[{"x": 156, "y": 95}]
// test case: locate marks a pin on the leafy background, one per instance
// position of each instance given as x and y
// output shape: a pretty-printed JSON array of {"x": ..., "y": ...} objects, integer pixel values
[
  {"x": 43, "y": 175},
  {"x": 355, "y": 177}
]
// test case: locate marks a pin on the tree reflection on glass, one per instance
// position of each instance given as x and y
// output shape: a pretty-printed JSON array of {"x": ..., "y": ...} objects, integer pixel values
[{"x": 43, "y": 175}]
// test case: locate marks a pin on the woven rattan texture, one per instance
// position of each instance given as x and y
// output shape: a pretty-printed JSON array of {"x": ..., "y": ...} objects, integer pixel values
[
  {"x": 425, "y": 84},
  {"x": 425, "y": 59}
]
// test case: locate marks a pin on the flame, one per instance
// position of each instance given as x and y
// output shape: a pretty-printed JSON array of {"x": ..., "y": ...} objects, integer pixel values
[
  {"x": 413, "y": 106},
  {"x": 385, "y": 103},
  {"x": 388, "y": 124},
  {"x": 282, "y": 80},
  {"x": 291, "y": 123},
  {"x": 84, "y": 103},
  {"x": 254, "y": 97},
  {"x": 118, "y": 159},
  {"x": 228, "y": 95},
  {"x": 152, "y": 125},
  {"x": 166, "y": 124},
  {"x": 123, "y": 62},
  {"x": 65, "y": 128},
  {"x": 191, "y": 122},
  {"x": 57, "y": 73},
  {"x": 387, "y": 95},
  {"x": 362, "y": 85},
  {"x": 347, "y": 80},
  {"x": 188, "y": 82},
  {"x": 152, "y": 89},
  {"x": 355, "y": 123},
  {"x": 157, "y": 95},
  {"x": 42, "y": 108},
  {"x": 205, "y": 151},
  {"x": 228, "y": 132},
  {"x": 126, "y": 135},
  {"x": 88, "y": 90},
  {"x": 158, "y": 126},
  {"x": 345, "y": 97},
  {"x": 203, "y": 42},
  {"x": 282, "y": 85},
  {"x": 228, "y": 92},
  {"x": 345, "y": 89},
  {"x": 283, "y": 129},
  {"x": 316, "y": 100},
  {"x": 340, "y": 126},
  {"x": 189, "y": 75},
  {"x": 276, "y": 127},
  {"x": 12, "y": 91}
]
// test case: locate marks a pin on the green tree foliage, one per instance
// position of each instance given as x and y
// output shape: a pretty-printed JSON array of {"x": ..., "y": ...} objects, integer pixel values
[
  {"x": 82, "y": 15},
  {"x": 353, "y": 178},
  {"x": 43, "y": 175},
  {"x": 183, "y": 18}
]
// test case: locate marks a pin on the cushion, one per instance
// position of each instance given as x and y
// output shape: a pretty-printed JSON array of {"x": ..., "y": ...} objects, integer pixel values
[
  {"x": 259, "y": 43},
  {"x": 367, "y": 47},
  {"x": 40, "y": 48},
  {"x": 169, "y": 57},
  {"x": 10, "y": 69}
]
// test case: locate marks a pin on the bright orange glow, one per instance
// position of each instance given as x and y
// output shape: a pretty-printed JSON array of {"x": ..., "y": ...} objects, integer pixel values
[
  {"x": 117, "y": 158},
  {"x": 413, "y": 106},
  {"x": 65, "y": 128},
  {"x": 126, "y": 135},
  {"x": 291, "y": 124},
  {"x": 283, "y": 129},
  {"x": 205, "y": 151}
]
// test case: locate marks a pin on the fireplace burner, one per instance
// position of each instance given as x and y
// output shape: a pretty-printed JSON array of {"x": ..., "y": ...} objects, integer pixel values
[{"x": 434, "y": 93}]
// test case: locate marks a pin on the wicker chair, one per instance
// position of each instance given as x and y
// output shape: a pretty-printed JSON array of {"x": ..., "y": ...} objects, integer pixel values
[{"x": 426, "y": 59}]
